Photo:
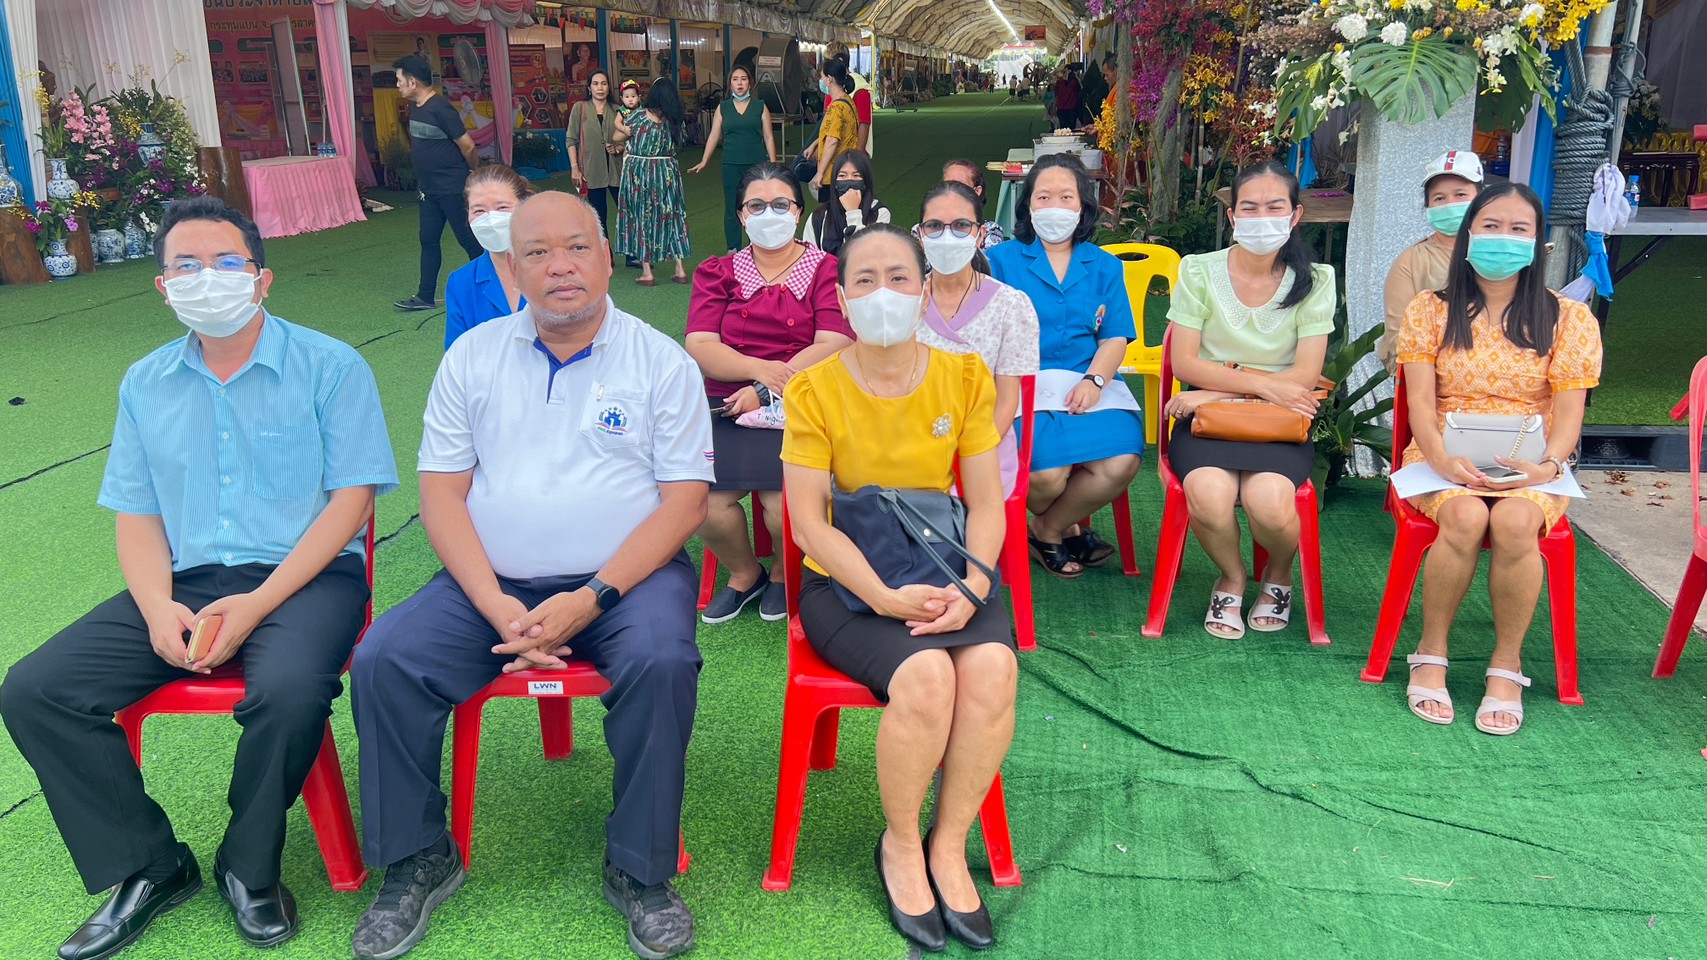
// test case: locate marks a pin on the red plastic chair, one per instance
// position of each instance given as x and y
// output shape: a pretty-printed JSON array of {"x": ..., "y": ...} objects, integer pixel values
[
  {"x": 553, "y": 689},
  {"x": 1415, "y": 533},
  {"x": 1122, "y": 533},
  {"x": 1695, "y": 574},
  {"x": 811, "y": 719},
  {"x": 761, "y": 547},
  {"x": 323, "y": 793},
  {"x": 1015, "y": 561},
  {"x": 1176, "y": 520}
]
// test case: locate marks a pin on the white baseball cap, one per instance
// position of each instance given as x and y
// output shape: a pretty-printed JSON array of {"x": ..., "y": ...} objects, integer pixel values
[{"x": 1458, "y": 163}]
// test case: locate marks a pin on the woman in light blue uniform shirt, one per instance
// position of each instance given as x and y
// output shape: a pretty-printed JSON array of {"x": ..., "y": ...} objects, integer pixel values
[
  {"x": 1086, "y": 417},
  {"x": 485, "y": 288}
]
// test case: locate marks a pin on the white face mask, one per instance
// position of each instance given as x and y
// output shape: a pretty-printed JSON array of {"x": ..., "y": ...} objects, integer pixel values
[
  {"x": 948, "y": 253},
  {"x": 771, "y": 230},
  {"x": 492, "y": 229},
  {"x": 1054, "y": 224},
  {"x": 885, "y": 318},
  {"x": 213, "y": 303},
  {"x": 1262, "y": 235}
]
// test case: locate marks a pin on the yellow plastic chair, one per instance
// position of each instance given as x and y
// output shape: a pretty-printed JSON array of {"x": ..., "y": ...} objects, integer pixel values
[{"x": 1145, "y": 262}]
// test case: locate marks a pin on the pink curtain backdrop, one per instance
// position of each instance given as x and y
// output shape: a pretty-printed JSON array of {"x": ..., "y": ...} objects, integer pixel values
[
  {"x": 509, "y": 13},
  {"x": 498, "y": 75},
  {"x": 332, "y": 40}
]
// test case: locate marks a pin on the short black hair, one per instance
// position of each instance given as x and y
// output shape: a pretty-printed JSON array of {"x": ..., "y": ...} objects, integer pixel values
[
  {"x": 1088, "y": 212},
  {"x": 415, "y": 67},
  {"x": 761, "y": 172},
  {"x": 214, "y": 209}
]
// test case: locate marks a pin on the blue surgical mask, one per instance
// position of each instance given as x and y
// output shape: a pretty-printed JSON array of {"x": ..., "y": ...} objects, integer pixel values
[
  {"x": 1497, "y": 256},
  {"x": 1448, "y": 217},
  {"x": 742, "y": 97},
  {"x": 823, "y": 86}
]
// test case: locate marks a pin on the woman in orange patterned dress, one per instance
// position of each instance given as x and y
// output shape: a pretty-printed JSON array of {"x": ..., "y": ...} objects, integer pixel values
[{"x": 1540, "y": 356}]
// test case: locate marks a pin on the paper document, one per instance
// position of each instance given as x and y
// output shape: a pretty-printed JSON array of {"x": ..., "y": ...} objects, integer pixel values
[
  {"x": 1420, "y": 478},
  {"x": 1053, "y": 387}
]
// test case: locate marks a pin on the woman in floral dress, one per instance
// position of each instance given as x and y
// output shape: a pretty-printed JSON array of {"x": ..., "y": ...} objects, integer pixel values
[{"x": 651, "y": 213}]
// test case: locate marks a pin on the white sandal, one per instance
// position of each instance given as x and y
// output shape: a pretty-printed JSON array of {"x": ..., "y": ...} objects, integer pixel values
[
  {"x": 1278, "y": 603},
  {"x": 1220, "y": 603},
  {"x": 1417, "y": 694},
  {"x": 1492, "y": 704}
]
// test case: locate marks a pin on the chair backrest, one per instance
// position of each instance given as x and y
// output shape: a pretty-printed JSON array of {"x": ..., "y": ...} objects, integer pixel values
[
  {"x": 1164, "y": 422},
  {"x": 1144, "y": 262},
  {"x": 1027, "y": 413},
  {"x": 1695, "y": 402},
  {"x": 367, "y": 550},
  {"x": 1401, "y": 415}
]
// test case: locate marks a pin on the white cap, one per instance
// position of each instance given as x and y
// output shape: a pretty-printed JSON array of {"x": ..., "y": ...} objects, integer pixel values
[{"x": 1458, "y": 163}]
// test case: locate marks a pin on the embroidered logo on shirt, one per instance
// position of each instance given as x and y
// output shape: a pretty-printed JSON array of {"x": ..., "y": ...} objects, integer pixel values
[
  {"x": 612, "y": 422},
  {"x": 942, "y": 425},
  {"x": 1102, "y": 311}
]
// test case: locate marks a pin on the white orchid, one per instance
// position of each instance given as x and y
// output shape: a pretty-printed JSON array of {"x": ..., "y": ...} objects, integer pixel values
[
  {"x": 1353, "y": 27},
  {"x": 1530, "y": 16},
  {"x": 1395, "y": 33}
]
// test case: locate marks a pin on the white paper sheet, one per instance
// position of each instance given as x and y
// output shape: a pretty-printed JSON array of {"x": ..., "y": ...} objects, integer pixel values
[
  {"x": 1053, "y": 386},
  {"x": 1420, "y": 478}
]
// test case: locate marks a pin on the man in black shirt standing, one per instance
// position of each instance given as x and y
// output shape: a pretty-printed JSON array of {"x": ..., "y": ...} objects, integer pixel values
[{"x": 442, "y": 153}]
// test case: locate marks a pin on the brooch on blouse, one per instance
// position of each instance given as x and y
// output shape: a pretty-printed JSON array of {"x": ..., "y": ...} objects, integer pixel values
[{"x": 943, "y": 424}]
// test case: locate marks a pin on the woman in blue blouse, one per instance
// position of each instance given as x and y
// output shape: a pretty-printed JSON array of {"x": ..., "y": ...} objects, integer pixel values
[
  {"x": 1088, "y": 435},
  {"x": 485, "y": 288}
]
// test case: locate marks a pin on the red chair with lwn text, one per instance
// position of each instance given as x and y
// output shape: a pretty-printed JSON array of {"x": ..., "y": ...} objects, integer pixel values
[
  {"x": 1176, "y": 520},
  {"x": 1415, "y": 533},
  {"x": 323, "y": 793},
  {"x": 1695, "y": 574},
  {"x": 811, "y": 717}
]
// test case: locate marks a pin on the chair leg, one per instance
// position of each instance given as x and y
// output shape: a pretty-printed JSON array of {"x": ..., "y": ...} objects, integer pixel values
[
  {"x": 464, "y": 768},
  {"x": 1152, "y": 409},
  {"x": 1123, "y": 533},
  {"x": 1562, "y": 597},
  {"x": 998, "y": 844},
  {"x": 1170, "y": 548},
  {"x": 683, "y": 861},
  {"x": 1682, "y": 616},
  {"x": 762, "y": 546},
  {"x": 1259, "y": 561},
  {"x": 557, "y": 727},
  {"x": 707, "y": 579},
  {"x": 328, "y": 803},
  {"x": 1409, "y": 545},
  {"x": 131, "y": 722},
  {"x": 826, "y": 731},
  {"x": 798, "y": 721},
  {"x": 1310, "y": 566},
  {"x": 1016, "y": 572}
]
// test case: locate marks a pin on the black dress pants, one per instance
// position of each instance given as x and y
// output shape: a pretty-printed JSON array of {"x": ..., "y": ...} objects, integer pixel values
[
  {"x": 438, "y": 209},
  {"x": 58, "y": 704}
]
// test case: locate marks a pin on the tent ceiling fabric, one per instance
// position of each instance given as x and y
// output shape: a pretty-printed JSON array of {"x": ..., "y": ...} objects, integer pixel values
[{"x": 966, "y": 26}]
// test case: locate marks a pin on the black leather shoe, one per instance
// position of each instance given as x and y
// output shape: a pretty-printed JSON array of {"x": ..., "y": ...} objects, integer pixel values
[
  {"x": 924, "y": 929},
  {"x": 265, "y": 917},
  {"x": 127, "y": 913},
  {"x": 973, "y": 929}
]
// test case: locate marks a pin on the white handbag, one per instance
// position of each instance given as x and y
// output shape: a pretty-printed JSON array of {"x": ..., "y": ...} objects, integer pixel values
[{"x": 1483, "y": 437}]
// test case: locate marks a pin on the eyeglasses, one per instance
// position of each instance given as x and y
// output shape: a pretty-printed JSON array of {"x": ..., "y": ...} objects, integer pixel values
[
  {"x": 190, "y": 266},
  {"x": 756, "y": 207},
  {"x": 961, "y": 228}
]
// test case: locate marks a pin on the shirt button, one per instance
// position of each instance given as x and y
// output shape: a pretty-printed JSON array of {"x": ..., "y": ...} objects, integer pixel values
[
  {"x": 225, "y": 480},
  {"x": 222, "y": 391},
  {"x": 743, "y": 313},
  {"x": 791, "y": 321},
  {"x": 227, "y": 557},
  {"x": 226, "y": 524},
  {"x": 225, "y": 436}
]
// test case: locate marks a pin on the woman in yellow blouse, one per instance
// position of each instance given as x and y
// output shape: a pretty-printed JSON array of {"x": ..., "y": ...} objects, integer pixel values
[
  {"x": 1496, "y": 340},
  {"x": 891, "y": 412},
  {"x": 839, "y": 131}
]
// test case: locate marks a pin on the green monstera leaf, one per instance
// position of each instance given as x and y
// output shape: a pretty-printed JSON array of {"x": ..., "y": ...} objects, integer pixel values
[{"x": 1415, "y": 82}]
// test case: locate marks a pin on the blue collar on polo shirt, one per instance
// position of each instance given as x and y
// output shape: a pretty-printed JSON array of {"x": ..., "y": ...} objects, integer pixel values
[{"x": 551, "y": 358}]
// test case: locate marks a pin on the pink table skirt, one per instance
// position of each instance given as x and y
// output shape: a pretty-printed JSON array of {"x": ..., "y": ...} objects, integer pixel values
[{"x": 293, "y": 195}]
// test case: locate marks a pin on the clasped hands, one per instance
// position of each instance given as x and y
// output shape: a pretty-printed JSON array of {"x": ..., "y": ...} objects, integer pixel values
[
  {"x": 1461, "y": 471},
  {"x": 1279, "y": 391},
  {"x": 539, "y": 638},
  {"x": 168, "y": 622},
  {"x": 774, "y": 374},
  {"x": 929, "y": 609}
]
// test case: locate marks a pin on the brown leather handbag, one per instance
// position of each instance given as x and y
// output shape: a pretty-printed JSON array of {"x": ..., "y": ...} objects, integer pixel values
[{"x": 1253, "y": 419}]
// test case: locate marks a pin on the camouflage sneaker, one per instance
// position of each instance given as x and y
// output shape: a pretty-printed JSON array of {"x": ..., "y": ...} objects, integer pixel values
[
  {"x": 659, "y": 924},
  {"x": 413, "y": 889}
]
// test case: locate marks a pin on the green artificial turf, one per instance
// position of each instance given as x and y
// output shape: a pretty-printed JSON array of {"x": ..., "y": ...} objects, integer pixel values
[
  {"x": 1180, "y": 797},
  {"x": 1655, "y": 334}
]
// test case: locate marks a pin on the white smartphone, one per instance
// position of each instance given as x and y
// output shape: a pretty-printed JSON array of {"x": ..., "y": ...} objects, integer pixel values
[{"x": 1501, "y": 474}]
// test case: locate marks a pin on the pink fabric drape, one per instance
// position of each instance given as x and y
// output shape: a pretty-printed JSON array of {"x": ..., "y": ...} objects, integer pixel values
[
  {"x": 498, "y": 75},
  {"x": 332, "y": 39},
  {"x": 510, "y": 13}
]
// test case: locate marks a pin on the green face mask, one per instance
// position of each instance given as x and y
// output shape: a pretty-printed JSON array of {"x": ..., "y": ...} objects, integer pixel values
[
  {"x": 1496, "y": 256},
  {"x": 1448, "y": 217}
]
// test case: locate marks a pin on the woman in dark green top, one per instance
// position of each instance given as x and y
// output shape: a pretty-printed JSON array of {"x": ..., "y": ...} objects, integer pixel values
[{"x": 747, "y": 125}]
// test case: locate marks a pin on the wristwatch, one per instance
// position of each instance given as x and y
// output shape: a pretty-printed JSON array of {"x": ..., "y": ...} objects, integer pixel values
[
  {"x": 606, "y": 595},
  {"x": 1098, "y": 380}
]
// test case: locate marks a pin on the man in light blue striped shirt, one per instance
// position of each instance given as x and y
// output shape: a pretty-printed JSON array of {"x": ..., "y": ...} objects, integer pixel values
[{"x": 243, "y": 469}]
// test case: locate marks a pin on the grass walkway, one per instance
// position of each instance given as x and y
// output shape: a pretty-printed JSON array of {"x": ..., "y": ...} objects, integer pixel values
[{"x": 1181, "y": 797}]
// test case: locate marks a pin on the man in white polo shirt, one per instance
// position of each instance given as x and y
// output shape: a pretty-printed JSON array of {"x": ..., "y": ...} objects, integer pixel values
[{"x": 566, "y": 460}]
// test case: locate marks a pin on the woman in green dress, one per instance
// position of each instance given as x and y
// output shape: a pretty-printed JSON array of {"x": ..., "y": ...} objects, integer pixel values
[
  {"x": 747, "y": 125},
  {"x": 651, "y": 210}
]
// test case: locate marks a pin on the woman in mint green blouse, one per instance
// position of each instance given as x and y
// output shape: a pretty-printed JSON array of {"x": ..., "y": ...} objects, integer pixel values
[{"x": 1263, "y": 305}]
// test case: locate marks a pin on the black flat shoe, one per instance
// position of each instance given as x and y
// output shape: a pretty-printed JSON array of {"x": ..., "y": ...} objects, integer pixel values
[
  {"x": 925, "y": 929},
  {"x": 127, "y": 913},
  {"x": 973, "y": 929},
  {"x": 1054, "y": 558},
  {"x": 266, "y": 917},
  {"x": 1088, "y": 549}
]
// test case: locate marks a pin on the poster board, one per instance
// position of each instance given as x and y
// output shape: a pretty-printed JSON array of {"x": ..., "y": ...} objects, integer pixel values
[{"x": 530, "y": 81}]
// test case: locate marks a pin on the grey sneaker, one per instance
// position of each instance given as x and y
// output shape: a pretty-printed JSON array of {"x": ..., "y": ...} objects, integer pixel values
[
  {"x": 659, "y": 924},
  {"x": 413, "y": 889},
  {"x": 729, "y": 602},
  {"x": 774, "y": 605}
]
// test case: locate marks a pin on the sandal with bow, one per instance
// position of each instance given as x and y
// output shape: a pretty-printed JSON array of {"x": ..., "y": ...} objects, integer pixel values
[
  {"x": 1223, "y": 619},
  {"x": 1274, "y": 603}
]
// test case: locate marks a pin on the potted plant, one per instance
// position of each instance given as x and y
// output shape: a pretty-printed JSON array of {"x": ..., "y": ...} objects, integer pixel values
[
  {"x": 55, "y": 144},
  {"x": 109, "y": 217},
  {"x": 1340, "y": 428},
  {"x": 53, "y": 221}
]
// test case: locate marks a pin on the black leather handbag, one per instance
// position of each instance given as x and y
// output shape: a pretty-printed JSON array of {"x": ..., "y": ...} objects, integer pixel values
[{"x": 908, "y": 536}]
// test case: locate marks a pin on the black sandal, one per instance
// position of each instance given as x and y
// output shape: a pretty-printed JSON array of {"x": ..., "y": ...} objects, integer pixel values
[
  {"x": 1054, "y": 558},
  {"x": 1087, "y": 548}
]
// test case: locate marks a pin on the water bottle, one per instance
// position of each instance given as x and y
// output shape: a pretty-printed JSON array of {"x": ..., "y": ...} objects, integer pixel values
[{"x": 1633, "y": 192}]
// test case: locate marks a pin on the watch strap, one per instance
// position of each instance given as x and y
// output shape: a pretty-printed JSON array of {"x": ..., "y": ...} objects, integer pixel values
[{"x": 606, "y": 595}]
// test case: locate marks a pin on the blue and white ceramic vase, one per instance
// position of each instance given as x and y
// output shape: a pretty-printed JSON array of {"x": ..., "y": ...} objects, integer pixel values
[
  {"x": 109, "y": 245},
  {"x": 59, "y": 262},
  {"x": 60, "y": 186},
  {"x": 11, "y": 191},
  {"x": 135, "y": 241},
  {"x": 149, "y": 147}
]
